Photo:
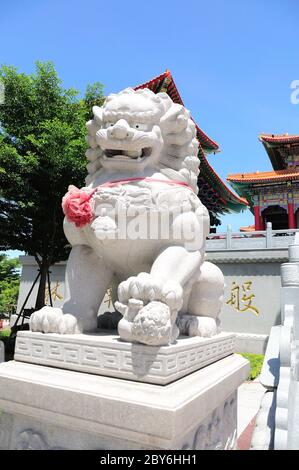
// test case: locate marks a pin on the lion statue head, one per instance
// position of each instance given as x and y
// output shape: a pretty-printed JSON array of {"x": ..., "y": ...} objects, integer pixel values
[{"x": 135, "y": 130}]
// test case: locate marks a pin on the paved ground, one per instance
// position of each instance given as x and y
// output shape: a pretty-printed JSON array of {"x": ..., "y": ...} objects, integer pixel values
[{"x": 249, "y": 399}]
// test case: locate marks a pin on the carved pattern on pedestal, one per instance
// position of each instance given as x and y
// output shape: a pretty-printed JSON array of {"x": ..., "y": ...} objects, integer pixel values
[
  {"x": 4, "y": 433},
  {"x": 101, "y": 359},
  {"x": 32, "y": 440},
  {"x": 6, "y": 426},
  {"x": 218, "y": 431}
]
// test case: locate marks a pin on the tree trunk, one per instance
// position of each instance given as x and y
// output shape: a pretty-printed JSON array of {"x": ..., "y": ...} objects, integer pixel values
[{"x": 40, "y": 298}]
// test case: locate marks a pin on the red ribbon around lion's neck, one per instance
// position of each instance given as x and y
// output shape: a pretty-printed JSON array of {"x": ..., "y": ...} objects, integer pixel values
[{"x": 76, "y": 203}]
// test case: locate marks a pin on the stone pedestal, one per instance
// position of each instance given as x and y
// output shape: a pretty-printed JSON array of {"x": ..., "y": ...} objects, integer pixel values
[
  {"x": 105, "y": 354},
  {"x": 46, "y": 407}
]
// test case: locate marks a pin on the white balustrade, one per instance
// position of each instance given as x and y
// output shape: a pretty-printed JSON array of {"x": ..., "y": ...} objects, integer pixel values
[{"x": 264, "y": 239}]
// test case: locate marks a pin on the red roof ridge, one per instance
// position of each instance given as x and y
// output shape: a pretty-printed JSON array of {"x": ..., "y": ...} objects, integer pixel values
[
  {"x": 155, "y": 79},
  {"x": 264, "y": 175},
  {"x": 249, "y": 228},
  {"x": 279, "y": 138},
  {"x": 207, "y": 141}
]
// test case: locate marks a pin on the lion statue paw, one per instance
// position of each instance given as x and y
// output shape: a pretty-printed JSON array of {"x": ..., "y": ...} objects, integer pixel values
[
  {"x": 52, "y": 320},
  {"x": 147, "y": 288},
  {"x": 150, "y": 324}
]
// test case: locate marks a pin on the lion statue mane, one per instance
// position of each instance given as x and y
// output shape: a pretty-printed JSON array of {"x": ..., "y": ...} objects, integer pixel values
[{"x": 139, "y": 223}]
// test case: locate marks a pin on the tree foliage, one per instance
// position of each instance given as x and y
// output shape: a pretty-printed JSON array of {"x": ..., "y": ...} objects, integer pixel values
[
  {"x": 9, "y": 284},
  {"x": 42, "y": 146}
]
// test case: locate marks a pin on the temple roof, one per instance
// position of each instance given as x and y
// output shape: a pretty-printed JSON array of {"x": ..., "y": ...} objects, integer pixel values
[
  {"x": 231, "y": 201},
  {"x": 265, "y": 176},
  {"x": 249, "y": 228},
  {"x": 279, "y": 138},
  {"x": 279, "y": 147},
  {"x": 165, "y": 82},
  {"x": 213, "y": 192}
]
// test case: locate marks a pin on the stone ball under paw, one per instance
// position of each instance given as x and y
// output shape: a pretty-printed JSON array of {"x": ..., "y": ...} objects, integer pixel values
[{"x": 152, "y": 325}]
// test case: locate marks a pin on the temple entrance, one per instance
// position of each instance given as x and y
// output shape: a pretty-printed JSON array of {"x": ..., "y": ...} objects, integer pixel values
[{"x": 277, "y": 215}]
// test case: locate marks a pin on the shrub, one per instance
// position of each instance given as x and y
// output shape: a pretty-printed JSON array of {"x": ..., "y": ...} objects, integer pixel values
[{"x": 256, "y": 363}]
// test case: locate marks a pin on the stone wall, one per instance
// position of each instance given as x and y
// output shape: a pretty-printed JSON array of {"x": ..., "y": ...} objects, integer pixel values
[
  {"x": 251, "y": 304},
  {"x": 252, "y": 297}
]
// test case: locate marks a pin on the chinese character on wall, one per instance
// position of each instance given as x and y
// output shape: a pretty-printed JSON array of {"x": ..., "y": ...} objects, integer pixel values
[
  {"x": 241, "y": 298},
  {"x": 55, "y": 295},
  {"x": 109, "y": 299}
]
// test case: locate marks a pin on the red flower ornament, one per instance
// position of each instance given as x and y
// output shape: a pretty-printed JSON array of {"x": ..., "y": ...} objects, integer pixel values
[{"x": 77, "y": 207}]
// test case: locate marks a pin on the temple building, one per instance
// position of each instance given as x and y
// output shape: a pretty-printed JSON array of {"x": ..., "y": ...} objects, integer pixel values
[
  {"x": 273, "y": 196},
  {"x": 213, "y": 192}
]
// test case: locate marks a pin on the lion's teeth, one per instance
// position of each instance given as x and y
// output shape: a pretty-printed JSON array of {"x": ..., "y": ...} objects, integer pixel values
[{"x": 134, "y": 153}]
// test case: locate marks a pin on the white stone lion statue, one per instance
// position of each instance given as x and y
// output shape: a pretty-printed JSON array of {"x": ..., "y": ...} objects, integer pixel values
[{"x": 139, "y": 221}]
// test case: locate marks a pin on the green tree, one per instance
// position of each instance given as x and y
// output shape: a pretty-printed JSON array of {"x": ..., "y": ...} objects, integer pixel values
[
  {"x": 9, "y": 268},
  {"x": 9, "y": 284},
  {"x": 42, "y": 146}
]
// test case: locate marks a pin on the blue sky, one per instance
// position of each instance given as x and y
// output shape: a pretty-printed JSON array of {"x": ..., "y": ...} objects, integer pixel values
[{"x": 233, "y": 61}]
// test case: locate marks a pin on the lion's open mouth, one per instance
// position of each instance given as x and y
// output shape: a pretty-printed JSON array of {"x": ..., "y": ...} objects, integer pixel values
[{"x": 136, "y": 155}]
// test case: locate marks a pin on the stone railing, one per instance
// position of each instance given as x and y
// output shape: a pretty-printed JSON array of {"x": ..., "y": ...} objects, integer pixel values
[
  {"x": 276, "y": 424},
  {"x": 266, "y": 239}
]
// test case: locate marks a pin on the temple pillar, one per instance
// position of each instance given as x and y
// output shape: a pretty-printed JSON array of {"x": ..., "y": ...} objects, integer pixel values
[
  {"x": 291, "y": 215},
  {"x": 257, "y": 218}
]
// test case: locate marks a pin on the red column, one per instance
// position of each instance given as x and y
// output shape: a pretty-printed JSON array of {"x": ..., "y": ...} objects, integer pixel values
[
  {"x": 291, "y": 215},
  {"x": 257, "y": 217}
]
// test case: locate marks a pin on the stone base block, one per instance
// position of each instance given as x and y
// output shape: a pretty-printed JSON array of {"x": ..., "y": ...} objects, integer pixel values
[
  {"x": 47, "y": 408},
  {"x": 105, "y": 354},
  {"x": 251, "y": 343}
]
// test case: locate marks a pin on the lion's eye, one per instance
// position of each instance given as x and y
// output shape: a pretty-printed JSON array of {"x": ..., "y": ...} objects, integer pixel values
[{"x": 139, "y": 126}]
